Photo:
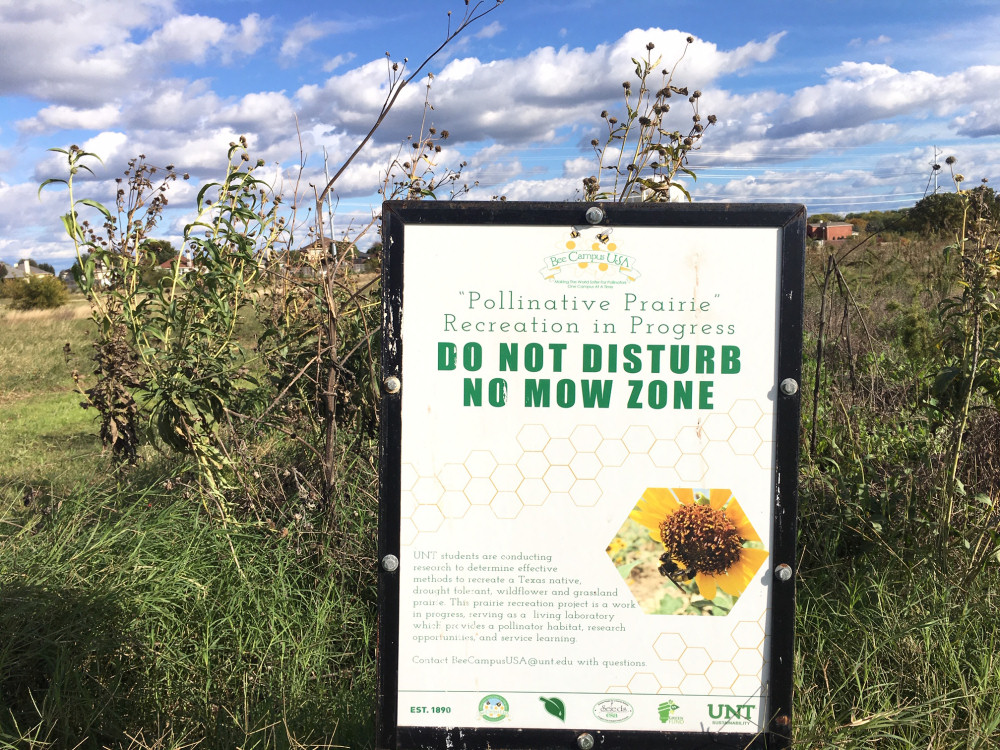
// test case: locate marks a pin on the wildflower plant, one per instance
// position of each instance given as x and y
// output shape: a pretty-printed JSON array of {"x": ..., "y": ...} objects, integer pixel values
[
  {"x": 970, "y": 321},
  {"x": 415, "y": 172},
  {"x": 643, "y": 153},
  {"x": 170, "y": 343}
]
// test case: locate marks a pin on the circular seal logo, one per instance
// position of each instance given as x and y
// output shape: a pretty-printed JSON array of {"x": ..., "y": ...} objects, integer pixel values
[
  {"x": 494, "y": 708},
  {"x": 613, "y": 710}
]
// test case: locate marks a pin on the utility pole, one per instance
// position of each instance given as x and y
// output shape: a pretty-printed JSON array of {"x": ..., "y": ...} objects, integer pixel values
[{"x": 935, "y": 168}]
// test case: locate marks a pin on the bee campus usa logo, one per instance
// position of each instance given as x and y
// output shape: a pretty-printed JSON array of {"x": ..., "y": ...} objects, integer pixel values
[
  {"x": 594, "y": 262},
  {"x": 494, "y": 708}
]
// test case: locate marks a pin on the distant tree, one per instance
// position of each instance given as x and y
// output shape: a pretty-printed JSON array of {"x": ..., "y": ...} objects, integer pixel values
[
  {"x": 882, "y": 221},
  {"x": 156, "y": 252},
  {"x": 3, "y": 270},
  {"x": 374, "y": 262},
  {"x": 939, "y": 212},
  {"x": 860, "y": 225},
  {"x": 816, "y": 218},
  {"x": 39, "y": 293},
  {"x": 943, "y": 212}
]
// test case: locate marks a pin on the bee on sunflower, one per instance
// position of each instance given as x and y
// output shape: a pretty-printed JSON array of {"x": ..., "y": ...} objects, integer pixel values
[{"x": 704, "y": 537}]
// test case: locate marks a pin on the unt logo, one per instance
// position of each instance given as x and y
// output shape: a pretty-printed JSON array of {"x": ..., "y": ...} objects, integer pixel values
[{"x": 726, "y": 711}]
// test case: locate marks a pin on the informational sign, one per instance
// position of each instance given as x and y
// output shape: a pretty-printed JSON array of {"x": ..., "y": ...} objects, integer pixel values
[{"x": 588, "y": 474}]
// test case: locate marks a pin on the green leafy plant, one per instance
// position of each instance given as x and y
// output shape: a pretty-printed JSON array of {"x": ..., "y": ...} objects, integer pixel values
[
  {"x": 170, "y": 343},
  {"x": 970, "y": 325}
]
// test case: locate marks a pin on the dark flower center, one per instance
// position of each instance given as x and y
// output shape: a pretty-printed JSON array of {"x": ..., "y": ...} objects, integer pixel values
[{"x": 702, "y": 539}]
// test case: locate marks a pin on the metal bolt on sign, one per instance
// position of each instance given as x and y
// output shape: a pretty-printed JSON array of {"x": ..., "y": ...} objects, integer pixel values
[
  {"x": 585, "y": 741},
  {"x": 789, "y": 387},
  {"x": 390, "y": 563},
  {"x": 392, "y": 384},
  {"x": 783, "y": 572},
  {"x": 594, "y": 215}
]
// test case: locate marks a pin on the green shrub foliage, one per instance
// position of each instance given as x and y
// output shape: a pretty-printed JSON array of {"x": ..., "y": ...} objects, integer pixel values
[{"x": 35, "y": 293}]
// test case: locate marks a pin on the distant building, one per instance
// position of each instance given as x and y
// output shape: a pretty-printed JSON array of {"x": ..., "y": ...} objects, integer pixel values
[
  {"x": 830, "y": 231},
  {"x": 186, "y": 265},
  {"x": 319, "y": 255},
  {"x": 66, "y": 277},
  {"x": 24, "y": 269}
]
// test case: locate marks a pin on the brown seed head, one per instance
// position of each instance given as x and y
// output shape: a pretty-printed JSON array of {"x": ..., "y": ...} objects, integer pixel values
[{"x": 702, "y": 538}]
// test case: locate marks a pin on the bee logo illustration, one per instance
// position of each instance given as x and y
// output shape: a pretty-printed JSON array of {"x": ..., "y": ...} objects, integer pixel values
[{"x": 494, "y": 708}]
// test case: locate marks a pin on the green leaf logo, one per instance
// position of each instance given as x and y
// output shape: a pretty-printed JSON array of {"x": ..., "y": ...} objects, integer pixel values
[{"x": 555, "y": 707}]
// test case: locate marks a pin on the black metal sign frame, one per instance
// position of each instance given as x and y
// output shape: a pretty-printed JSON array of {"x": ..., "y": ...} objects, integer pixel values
[{"x": 789, "y": 221}]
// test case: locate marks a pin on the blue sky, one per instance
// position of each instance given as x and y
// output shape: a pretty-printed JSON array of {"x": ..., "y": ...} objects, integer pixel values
[{"x": 837, "y": 105}]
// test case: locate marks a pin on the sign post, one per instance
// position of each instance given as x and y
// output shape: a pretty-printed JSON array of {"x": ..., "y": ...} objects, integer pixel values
[{"x": 588, "y": 474}]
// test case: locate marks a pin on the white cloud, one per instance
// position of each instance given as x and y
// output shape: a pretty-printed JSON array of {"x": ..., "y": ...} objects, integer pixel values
[
  {"x": 522, "y": 122},
  {"x": 304, "y": 33},
  {"x": 489, "y": 31},
  {"x": 525, "y": 99},
  {"x": 101, "y": 54},
  {"x": 186, "y": 39},
  {"x": 336, "y": 62},
  {"x": 61, "y": 117}
]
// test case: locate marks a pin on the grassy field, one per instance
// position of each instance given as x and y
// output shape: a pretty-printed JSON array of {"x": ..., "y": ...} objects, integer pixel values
[
  {"x": 46, "y": 440},
  {"x": 129, "y": 619},
  {"x": 132, "y": 619}
]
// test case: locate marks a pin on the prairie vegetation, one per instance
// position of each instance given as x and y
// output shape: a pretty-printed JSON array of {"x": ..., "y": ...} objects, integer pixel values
[{"x": 189, "y": 561}]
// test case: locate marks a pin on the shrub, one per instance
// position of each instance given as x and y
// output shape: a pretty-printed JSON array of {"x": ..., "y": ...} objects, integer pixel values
[{"x": 40, "y": 293}]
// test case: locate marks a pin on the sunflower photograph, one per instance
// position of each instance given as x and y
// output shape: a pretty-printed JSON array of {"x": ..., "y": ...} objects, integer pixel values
[{"x": 686, "y": 551}]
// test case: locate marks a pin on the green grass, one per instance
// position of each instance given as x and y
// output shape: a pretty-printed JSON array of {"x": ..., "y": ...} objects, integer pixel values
[
  {"x": 132, "y": 619},
  {"x": 128, "y": 613},
  {"x": 896, "y": 657},
  {"x": 897, "y": 616},
  {"x": 47, "y": 442}
]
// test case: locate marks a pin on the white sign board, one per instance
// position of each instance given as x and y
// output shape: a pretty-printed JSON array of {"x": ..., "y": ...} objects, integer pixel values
[{"x": 586, "y": 475}]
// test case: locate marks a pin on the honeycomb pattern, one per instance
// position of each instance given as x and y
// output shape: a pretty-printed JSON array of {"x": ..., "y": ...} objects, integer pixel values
[
  {"x": 546, "y": 466},
  {"x": 540, "y": 467},
  {"x": 732, "y": 666}
]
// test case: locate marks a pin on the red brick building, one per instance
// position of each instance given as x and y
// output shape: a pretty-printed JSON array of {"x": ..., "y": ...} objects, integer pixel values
[{"x": 830, "y": 231}]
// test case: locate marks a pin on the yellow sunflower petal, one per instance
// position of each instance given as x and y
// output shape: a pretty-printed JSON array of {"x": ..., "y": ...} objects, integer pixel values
[
  {"x": 717, "y": 498},
  {"x": 734, "y": 581},
  {"x": 650, "y": 521},
  {"x": 752, "y": 559},
  {"x": 684, "y": 494},
  {"x": 706, "y": 585},
  {"x": 743, "y": 526},
  {"x": 656, "y": 504}
]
